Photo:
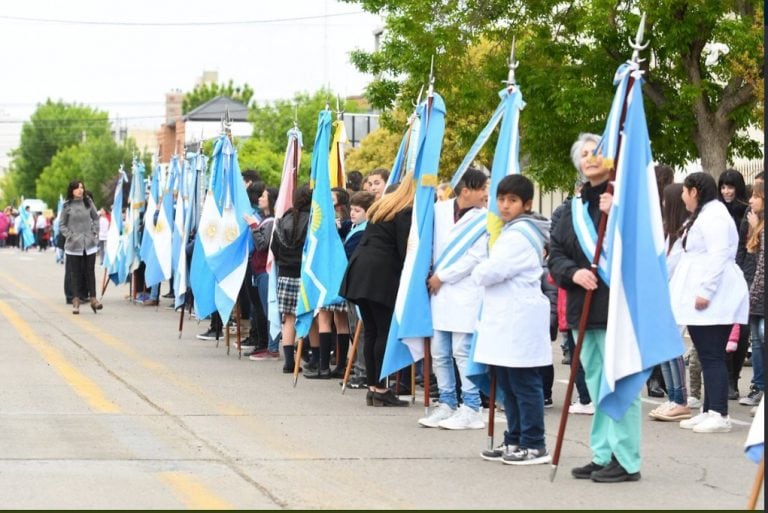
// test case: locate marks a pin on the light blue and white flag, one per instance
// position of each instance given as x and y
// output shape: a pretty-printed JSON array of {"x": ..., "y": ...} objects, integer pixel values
[
  {"x": 505, "y": 162},
  {"x": 180, "y": 235},
  {"x": 405, "y": 161},
  {"x": 755, "y": 444},
  {"x": 115, "y": 232},
  {"x": 412, "y": 318},
  {"x": 641, "y": 331},
  {"x": 156, "y": 240},
  {"x": 130, "y": 242},
  {"x": 323, "y": 260},
  {"x": 228, "y": 263}
]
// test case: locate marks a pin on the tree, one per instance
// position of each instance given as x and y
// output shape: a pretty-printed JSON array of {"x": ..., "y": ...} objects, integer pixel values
[
  {"x": 568, "y": 53},
  {"x": 95, "y": 162},
  {"x": 272, "y": 121},
  {"x": 52, "y": 127},
  {"x": 205, "y": 92},
  {"x": 377, "y": 149},
  {"x": 257, "y": 154}
]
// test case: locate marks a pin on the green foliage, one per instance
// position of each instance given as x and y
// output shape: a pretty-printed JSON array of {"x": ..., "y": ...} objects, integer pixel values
[
  {"x": 568, "y": 53},
  {"x": 51, "y": 128},
  {"x": 272, "y": 121},
  {"x": 205, "y": 92},
  {"x": 95, "y": 162},
  {"x": 377, "y": 149},
  {"x": 9, "y": 190},
  {"x": 257, "y": 154}
]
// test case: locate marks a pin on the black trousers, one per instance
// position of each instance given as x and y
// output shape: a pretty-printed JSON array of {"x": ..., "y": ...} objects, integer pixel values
[
  {"x": 81, "y": 272},
  {"x": 376, "y": 319}
]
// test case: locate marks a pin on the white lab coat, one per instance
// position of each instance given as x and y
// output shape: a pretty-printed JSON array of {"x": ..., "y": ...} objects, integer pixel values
[
  {"x": 707, "y": 268},
  {"x": 456, "y": 305},
  {"x": 514, "y": 327}
]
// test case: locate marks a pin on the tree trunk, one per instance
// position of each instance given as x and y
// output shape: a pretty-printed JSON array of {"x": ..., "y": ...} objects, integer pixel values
[{"x": 712, "y": 142}]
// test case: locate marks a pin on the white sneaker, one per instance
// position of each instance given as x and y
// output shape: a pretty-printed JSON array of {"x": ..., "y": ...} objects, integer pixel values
[
  {"x": 442, "y": 412},
  {"x": 464, "y": 418},
  {"x": 693, "y": 421},
  {"x": 581, "y": 409},
  {"x": 714, "y": 423},
  {"x": 694, "y": 402},
  {"x": 660, "y": 409}
]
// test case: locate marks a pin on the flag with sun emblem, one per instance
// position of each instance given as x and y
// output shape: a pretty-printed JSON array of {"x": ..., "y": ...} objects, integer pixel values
[
  {"x": 156, "y": 240},
  {"x": 323, "y": 261}
]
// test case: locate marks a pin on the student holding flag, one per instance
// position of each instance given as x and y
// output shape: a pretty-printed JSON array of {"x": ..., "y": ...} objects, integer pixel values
[
  {"x": 615, "y": 444},
  {"x": 373, "y": 277},
  {"x": 459, "y": 245}
]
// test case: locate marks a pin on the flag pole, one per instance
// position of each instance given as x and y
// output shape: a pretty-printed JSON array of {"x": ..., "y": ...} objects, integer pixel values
[
  {"x": 758, "y": 485},
  {"x": 602, "y": 224},
  {"x": 491, "y": 406},
  {"x": 104, "y": 283},
  {"x": 297, "y": 361},
  {"x": 351, "y": 356}
]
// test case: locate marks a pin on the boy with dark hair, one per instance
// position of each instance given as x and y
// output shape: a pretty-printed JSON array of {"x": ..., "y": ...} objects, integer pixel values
[
  {"x": 460, "y": 243},
  {"x": 513, "y": 303}
]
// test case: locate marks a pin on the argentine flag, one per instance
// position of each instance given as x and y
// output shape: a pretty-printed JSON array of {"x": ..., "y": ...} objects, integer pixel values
[
  {"x": 156, "y": 240},
  {"x": 228, "y": 263},
  {"x": 405, "y": 161},
  {"x": 412, "y": 318},
  {"x": 180, "y": 234},
  {"x": 755, "y": 444},
  {"x": 112, "y": 247},
  {"x": 641, "y": 330},
  {"x": 129, "y": 242},
  {"x": 323, "y": 260},
  {"x": 505, "y": 162}
]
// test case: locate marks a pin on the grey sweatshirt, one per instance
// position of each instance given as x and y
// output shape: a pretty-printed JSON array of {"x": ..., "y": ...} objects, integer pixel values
[{"x": 80, "y": 227}]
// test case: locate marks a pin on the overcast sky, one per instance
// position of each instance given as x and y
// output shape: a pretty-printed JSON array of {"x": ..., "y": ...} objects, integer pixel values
[{"x": 123, "y": 56}]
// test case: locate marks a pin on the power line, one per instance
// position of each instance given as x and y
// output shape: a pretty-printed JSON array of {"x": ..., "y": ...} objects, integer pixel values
[{"x": 176, "y": 24}]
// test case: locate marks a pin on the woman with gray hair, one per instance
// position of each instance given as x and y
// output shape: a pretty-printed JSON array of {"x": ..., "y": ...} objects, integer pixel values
[
  {"x": 615, "y": 444},
  {"x": 80, "y": 227}
]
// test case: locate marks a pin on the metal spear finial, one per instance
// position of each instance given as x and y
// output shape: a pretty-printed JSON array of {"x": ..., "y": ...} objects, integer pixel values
[
  {"x": 637, "y": 45},
  {"x": 513, "y": 64},
  {"x": 431, "y": 90},
  {"x": 338, "y": 108}
]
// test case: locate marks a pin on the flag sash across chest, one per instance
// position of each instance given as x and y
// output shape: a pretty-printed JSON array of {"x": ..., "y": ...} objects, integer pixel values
[
  {"x": 641, "y": 331},
  {"x": 412, "y": 317}
]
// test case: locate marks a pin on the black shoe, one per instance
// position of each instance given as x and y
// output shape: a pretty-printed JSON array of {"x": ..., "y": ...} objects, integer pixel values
[
  {"x": 211, "y": 334},
  {"x": 309, "y": 367},
  {"x": 289, "y": 370},
  {"x": 387, "y": 398},
  {"x": 585, "y": 472},
  {"x": 654, "y": 389},
  {"x": 318, "y": 374},
  {"x": 369, "y": 398},
  {"x": 338, "y": 371},
  {"x": 614, "y": 473},
  {"x": 401, "y": 388},
  {"x": 548, "y": 403},
  {"x": 733, "y": 393}
]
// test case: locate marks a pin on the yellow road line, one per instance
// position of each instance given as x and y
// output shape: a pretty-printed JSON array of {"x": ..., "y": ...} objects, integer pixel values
[
  {"x": 81, "y": 384},
  {"x": 193, "y": 493}
]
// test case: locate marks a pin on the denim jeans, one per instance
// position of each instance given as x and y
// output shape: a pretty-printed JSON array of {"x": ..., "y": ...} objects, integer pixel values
[
  {"x": 445, "y": 347},
  {"x": 709, "y": 342},
  {"x": 261, "y": 281},
  {"x": 673, "y": 372},
  {"x": 757, "y": 339},
  {"x": 523, "y": 406}
]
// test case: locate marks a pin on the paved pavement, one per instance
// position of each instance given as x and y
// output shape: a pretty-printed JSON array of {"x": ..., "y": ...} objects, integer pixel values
[{"x": 113, "y": 411}]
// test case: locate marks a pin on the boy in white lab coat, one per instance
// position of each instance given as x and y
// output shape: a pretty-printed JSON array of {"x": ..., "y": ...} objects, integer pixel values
[
  {"x": 460, "y": 243},
  {"x": 513, "y": 333}
]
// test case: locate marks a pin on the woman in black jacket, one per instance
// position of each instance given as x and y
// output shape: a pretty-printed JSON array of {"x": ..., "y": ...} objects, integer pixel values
[
  {"x": 287, "y": 246},
  {"x": 373, "y": 277}
]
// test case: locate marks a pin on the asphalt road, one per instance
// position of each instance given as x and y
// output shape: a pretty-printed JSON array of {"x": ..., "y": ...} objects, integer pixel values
[{"x": 115, "y": 411}]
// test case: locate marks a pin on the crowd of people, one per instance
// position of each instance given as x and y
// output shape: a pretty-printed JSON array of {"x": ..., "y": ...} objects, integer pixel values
[{"x": 514, "y": 293}]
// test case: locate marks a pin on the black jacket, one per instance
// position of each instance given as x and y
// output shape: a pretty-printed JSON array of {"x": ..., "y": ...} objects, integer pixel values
[
  {"x": 373, "y": 272},
  {"x": 287, "y": 249},
  {"x": 566, "y": 257}
]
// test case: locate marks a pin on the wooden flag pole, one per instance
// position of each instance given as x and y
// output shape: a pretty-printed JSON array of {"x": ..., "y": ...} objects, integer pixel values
[
  {"x": 352, "y": 355},
  {"x": 758, "y": 484}
]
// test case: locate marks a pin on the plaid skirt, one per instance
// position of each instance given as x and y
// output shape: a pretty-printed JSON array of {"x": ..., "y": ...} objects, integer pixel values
[
  {"x": 287, "y": 294},
  {"x": 336, "y": 307}
]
